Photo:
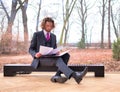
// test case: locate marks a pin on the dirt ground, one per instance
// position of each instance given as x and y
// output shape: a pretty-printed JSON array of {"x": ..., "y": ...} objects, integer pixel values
[
  {"x": 78, "y": 56},
  {"x": 40, "y": 82}
]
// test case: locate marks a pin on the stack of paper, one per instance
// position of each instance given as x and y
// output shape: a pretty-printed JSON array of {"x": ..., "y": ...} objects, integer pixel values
[{"x": 50, "y": 51}]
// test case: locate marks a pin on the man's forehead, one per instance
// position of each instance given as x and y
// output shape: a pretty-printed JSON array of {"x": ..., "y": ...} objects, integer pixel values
[{"x": 48, "y": 22}]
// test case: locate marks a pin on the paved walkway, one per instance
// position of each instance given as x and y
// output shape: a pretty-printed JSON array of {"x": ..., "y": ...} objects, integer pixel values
[{"x": 40, "y": 82}]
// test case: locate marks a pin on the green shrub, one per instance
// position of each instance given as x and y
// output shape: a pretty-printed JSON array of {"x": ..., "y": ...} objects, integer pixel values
[
  {"x": 81, "y": 44},
  {"x": 116, "y": 49}
]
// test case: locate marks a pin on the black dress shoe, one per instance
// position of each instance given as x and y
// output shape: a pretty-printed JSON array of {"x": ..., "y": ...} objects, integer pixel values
[
  {"x": 84, "y": 72},
  {"x": 79, "y": 75},
  {"x": 59, "y": 79}
]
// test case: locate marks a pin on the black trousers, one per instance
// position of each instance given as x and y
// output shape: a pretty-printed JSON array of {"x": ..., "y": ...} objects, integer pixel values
[{"x": 60, "y": 62}]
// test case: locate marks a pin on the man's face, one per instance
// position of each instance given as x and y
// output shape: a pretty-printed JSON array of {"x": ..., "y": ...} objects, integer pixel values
[{"x": 48, "y": 26}]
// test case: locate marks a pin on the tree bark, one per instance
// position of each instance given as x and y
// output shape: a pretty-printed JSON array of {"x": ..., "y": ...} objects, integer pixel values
[
  {"x": 7, "y": 37},
  {"x": 115, "y": 29},
  {"x": 103, "y": 23},
  {"x": 38, "y": 15},
  {"x": 109, "y": 32},
  {"x": 24, "y": 17},
  {"x": 8, "y": 17}
]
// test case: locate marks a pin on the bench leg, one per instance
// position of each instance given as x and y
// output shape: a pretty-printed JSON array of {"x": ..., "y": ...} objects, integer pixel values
[
  {"x": 9, "y": 73},
  {"x": 99, "y": 72}
]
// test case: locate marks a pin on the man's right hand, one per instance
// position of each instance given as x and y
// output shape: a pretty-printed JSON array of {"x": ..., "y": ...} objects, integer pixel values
[{"x": 38, "y": 55}]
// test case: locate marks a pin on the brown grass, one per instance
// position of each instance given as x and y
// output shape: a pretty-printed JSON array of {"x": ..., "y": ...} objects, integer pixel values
[{"x": 78, "y": 56}]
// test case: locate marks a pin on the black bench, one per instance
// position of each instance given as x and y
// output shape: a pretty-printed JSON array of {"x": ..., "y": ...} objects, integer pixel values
[{"x": 13, "y": 69}]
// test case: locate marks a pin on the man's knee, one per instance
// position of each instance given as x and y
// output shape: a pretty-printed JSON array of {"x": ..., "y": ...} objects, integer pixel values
[{"x": 66, "y": 57}]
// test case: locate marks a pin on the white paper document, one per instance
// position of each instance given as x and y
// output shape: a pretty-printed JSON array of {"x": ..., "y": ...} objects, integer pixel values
[
  {"x": 62, "y": 53},
  {"x": 50, "y": 51}
]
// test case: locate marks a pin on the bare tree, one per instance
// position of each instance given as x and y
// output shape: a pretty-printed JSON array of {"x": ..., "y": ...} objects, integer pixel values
[
  {"x": 82, "y": 7},
  {"x": 23, "y": 6},
  {"x": 115, "y": 18},
  {"x": 68, "y": 23},
  {"x": 82, "y": 12},
  {"x": 38, "y": 15},
  {"x": 103, "y": 13},
  {"x": 113, "y": 22},
  {"x": 66, "y": 14},
  {"x": 109, "y": 32},
  {"x": 119, "y": 23},
  {"x": 2, "y": 24},
  {"x": 11, "y": 18},
  {"x": 4, "y": 9},
  {"x": 14, "y": 8},
  {"x": 7, "y": 41}
]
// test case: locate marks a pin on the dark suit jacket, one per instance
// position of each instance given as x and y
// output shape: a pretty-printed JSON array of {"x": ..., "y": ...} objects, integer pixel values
[{"x": 37, "y": 40}]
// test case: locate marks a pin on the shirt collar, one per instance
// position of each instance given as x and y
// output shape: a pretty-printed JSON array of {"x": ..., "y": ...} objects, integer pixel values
[{"x": 45, "y": 32}]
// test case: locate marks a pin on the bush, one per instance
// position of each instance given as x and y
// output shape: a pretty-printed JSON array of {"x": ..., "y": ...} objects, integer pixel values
[
  {"x": 116, "y": 49},
  {"x": 5, "y": 47},
  {"x": 81, "y": 44},
  {"x": 9, "y": 46}
]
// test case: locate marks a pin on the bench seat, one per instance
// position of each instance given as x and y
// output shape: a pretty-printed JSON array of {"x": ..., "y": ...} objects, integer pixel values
[{"x": 13, "y": 69}]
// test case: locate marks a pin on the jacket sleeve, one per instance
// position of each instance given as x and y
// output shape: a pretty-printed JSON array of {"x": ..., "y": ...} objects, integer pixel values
[
  {"x": 55, "y": 46},
  {"x": 54, "y": 41},
  {"x": 33, "y": 45}
]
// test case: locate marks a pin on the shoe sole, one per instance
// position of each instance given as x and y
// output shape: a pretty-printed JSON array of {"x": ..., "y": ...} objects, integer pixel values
[
  {"x": 53, "y": 80},
  {"x": 59, "y": 80},
  {"x": 78, "y": 81}
]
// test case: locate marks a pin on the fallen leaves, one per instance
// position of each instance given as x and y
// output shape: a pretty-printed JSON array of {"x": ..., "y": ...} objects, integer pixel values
[{"x": 77, "y": 56}]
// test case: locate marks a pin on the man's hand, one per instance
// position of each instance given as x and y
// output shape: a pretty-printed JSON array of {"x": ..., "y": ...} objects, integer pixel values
[
  {"x": 38, "y": 55},
  {"x": 58, "y": 53}
]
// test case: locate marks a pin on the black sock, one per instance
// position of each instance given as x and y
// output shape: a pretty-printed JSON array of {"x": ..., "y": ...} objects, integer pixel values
[{"x": 58, "y": 73}]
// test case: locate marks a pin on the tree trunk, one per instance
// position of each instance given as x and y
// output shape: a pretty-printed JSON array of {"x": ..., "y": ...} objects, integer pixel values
[
  {"x": 24, "y": 17},
  {"x": 38, "y": 15},
  {"x": 66, "y": 18},
  {"x": 109, "y": 36},
  {"x": 82, "y": 12},
  {"x": 83, "y": 21},
  {"x": 8, "y": 17},
  {"x": 66, "y": 33},
  {"x": 25, "y": 21},
  {"x": 115, "y": 29},
  {"x": 103, "y": 21},
  {"x": 7, "y": 37}
]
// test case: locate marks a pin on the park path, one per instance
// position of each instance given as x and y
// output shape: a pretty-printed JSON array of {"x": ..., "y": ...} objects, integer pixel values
[{"x": 40, "y": 82}]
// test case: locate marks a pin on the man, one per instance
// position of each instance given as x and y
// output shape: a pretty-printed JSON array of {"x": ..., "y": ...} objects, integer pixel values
[{"x": 46, "y": 38}]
